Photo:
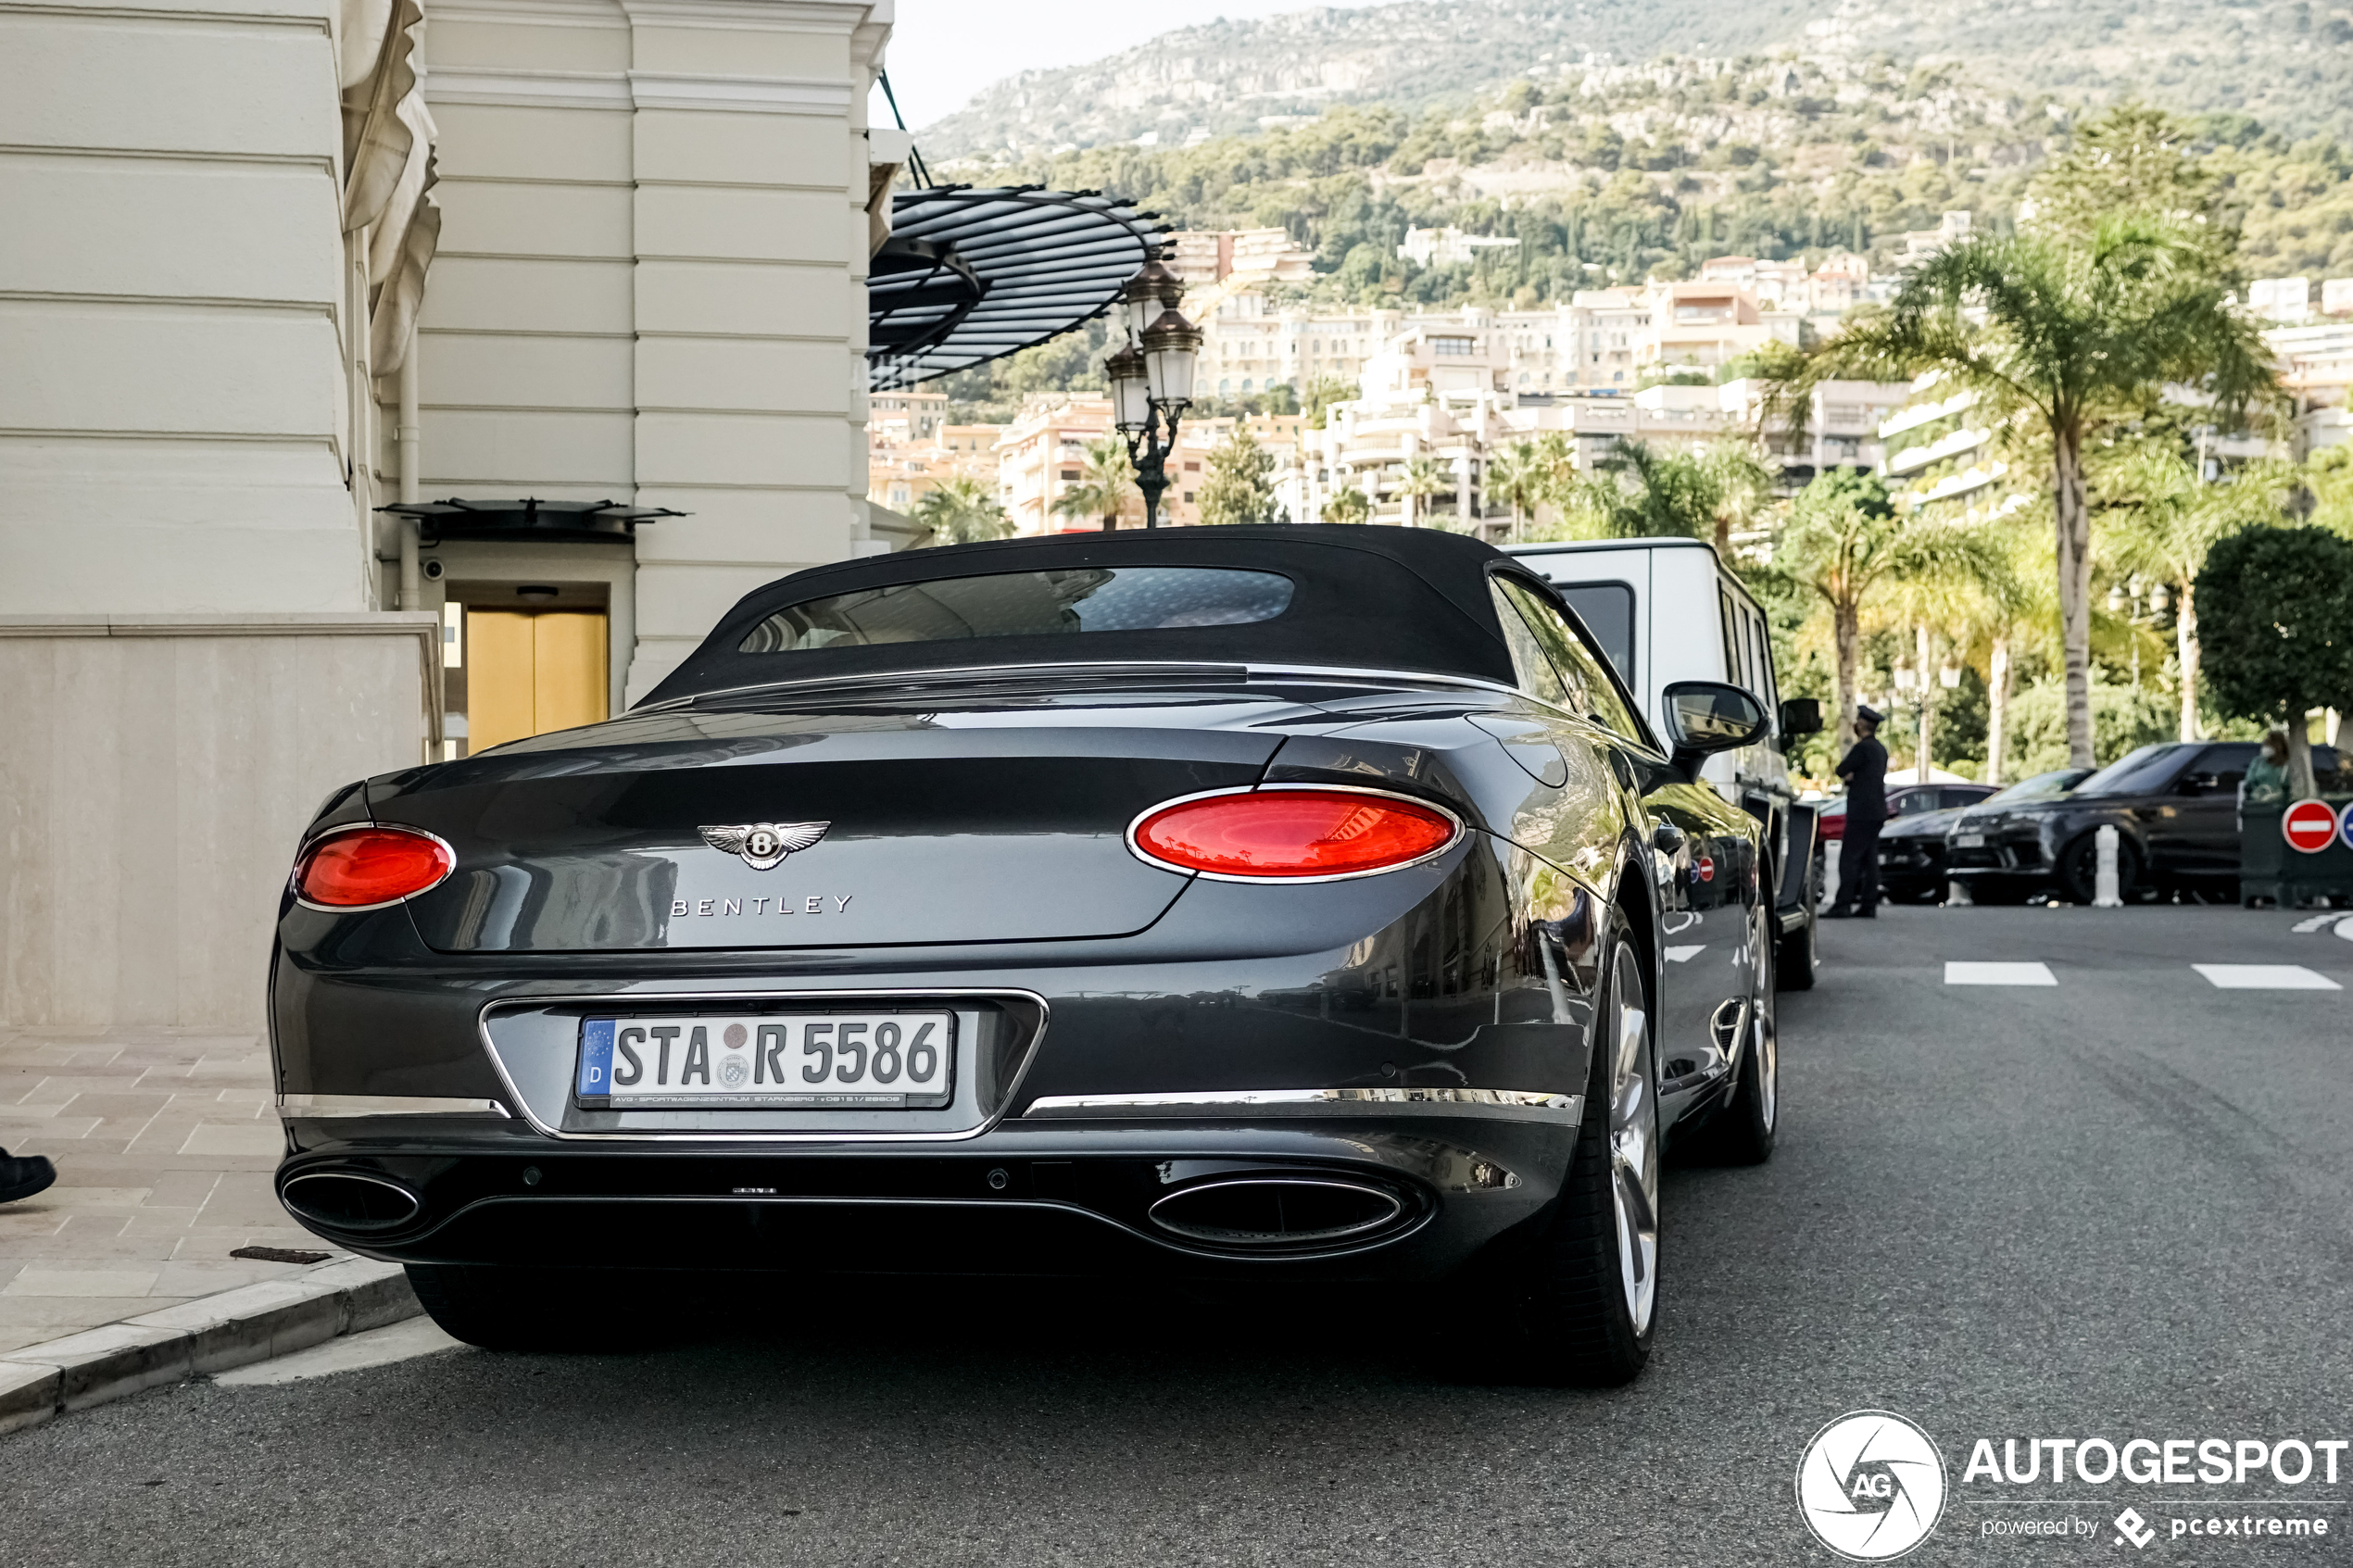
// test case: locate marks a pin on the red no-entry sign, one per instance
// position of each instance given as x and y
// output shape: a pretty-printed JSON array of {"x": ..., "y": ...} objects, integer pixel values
[{"x": 2310, "y": 825}]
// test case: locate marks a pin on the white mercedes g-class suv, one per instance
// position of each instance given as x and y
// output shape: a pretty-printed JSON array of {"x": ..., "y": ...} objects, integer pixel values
[{"x": 1667, "y": 610}]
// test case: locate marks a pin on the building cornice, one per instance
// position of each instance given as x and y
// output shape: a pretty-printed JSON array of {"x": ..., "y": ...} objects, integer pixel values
[
  {"x": 840, "y": 18},
  {"x": 739, "y": 94},
  {"x": 621, "y": 91}
]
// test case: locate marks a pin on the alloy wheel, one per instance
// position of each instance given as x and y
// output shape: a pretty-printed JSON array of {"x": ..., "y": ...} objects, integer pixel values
[{"x": 1633, "y": 1141}]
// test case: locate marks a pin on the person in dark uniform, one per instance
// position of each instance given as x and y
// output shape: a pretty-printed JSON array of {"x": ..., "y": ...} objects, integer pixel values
[{"x": 1865, "y": 770}]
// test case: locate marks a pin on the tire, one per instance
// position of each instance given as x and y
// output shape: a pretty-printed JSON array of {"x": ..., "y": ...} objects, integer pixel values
[
  {"x": 2078, "y": 866},
  {"x": 1584, "y": 1289},
  {"x": 518, "y": 1309},
  {"x": 1742, "y": 1131}
]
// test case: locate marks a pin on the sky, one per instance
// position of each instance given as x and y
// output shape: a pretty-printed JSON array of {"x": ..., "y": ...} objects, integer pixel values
[{"x": 944, "y": 51}]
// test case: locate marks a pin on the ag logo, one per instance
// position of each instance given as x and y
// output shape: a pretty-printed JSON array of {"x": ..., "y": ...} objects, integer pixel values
[{"x": 1871, "y": 1486}]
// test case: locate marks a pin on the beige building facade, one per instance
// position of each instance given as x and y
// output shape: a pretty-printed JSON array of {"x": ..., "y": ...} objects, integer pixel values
[
  {"x": 267, "y": 270},
  {"x": 651, "y": 291}
]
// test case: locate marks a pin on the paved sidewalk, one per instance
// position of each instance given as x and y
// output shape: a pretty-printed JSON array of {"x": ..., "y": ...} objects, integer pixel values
[{"x": 164, "y": 1143}]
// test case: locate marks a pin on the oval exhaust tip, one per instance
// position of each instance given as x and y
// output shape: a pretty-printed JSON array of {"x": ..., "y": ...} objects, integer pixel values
[
  {"x": 347, "y": 1200},
  {"x": 1274, "y": 1213}
]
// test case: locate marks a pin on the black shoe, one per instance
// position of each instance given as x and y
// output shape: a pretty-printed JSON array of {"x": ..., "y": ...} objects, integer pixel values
[
  {"x": 1834, "y": 912},
  {"x": 1867, "y": 914},
  {"x": 22, "y": 1178}
]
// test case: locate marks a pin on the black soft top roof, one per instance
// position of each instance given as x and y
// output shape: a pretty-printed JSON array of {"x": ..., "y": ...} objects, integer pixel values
[{"x": 1365, "y": 597}]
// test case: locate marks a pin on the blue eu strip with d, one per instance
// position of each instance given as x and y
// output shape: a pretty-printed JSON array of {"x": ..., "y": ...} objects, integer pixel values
[{"x": 596, "y": 1056}]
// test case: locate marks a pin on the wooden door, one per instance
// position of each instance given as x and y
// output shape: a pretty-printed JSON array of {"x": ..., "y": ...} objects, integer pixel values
[{"x": 530, "y": 672}]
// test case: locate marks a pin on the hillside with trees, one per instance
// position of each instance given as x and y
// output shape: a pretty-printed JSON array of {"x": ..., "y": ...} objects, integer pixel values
[
  {"x": 1624, "y": 172},
  {"x": 2288, "y": 63}
]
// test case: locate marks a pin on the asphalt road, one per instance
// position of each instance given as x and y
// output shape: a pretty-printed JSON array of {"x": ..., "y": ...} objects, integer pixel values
[{"x": 2116, "y": 1206}]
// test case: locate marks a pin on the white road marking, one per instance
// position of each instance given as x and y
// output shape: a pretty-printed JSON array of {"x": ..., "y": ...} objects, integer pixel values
[
  {"x": 2345, "y": 928},
  {"x": 1999, "y": 974},
  {"x": 2264, "y": 977},
  {"x": 2316, "y": 922},
  {"x": 379, "y": 1347},
  {"x": 1685, "y": 955}
]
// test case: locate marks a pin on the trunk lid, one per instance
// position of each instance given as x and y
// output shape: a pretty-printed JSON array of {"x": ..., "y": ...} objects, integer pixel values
[{"x": 1000, "y": 818}]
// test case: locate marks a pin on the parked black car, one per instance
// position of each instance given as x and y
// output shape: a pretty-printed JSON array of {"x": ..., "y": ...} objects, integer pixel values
[
  {"x": 2174, "y": 806},
  {"x": 1905, "y": 802},
  {"x": 1911, "y": 847},
  {"x": 1271, "y": 904}
]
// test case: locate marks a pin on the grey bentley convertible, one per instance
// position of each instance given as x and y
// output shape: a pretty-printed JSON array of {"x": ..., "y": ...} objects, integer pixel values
[{"x": 1253, "y": 904}]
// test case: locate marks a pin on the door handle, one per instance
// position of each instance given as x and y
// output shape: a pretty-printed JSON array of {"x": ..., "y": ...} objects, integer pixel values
[{"x": 1666, "y": 837}]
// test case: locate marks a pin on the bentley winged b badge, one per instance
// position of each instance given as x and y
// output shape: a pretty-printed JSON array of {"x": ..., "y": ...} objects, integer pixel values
[{"x": 763, "y": 845}]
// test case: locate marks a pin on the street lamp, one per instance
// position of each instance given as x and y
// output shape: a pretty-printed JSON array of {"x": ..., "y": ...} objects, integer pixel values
[{"x": 1152, "y": 378}]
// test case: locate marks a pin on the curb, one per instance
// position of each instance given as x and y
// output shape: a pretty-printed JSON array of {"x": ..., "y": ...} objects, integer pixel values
[{"x": 250, "y": 1324}]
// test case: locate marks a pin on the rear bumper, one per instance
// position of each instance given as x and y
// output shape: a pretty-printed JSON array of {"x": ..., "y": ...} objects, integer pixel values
[{"x": 1058, "y": 1198}]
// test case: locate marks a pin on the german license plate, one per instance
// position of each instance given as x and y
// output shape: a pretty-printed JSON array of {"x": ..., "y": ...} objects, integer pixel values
[
  {"x": 1969, "y": 841},
  {"x": 835, "y": 1061}
]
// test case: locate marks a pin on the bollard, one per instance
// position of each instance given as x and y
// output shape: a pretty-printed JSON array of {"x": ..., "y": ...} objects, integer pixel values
[
  {"x": 2104, "y": 895},
  {"x": 1957, "y": 894},
  {"x": 1830, "y": 881}
]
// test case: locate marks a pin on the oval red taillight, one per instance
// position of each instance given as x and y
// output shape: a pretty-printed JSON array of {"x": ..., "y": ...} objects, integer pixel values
[
  {"x": 354, "y": 868},
  {"x": 1293, "y": 833}
]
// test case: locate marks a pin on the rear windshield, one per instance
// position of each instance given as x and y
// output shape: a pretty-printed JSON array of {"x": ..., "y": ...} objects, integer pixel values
[{"x": 1026, "y": 603}]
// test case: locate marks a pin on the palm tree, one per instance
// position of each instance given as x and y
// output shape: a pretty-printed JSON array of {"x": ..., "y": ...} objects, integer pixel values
[
  {"x": 1641, "y": 491},
  {"x": 1743, "y": 488},
  {"x": 2066, "y": 332},
  {"x": 1519, "y": 476},
  {"x": 1348, "y": 504},
  {"x": 961, "y": 512},
  {"x": 1106, "y": 478},
  {"x": 1844, "y": 544},
  {"x": 1942, "y": 604},
  {"x": 2166, "y": 523},
  {"x": 2018, "y": 604},
  {"x": 1420, "y": 476}
]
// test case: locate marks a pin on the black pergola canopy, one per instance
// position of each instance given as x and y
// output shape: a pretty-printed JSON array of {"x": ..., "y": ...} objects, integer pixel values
[
  {"x": 971, "y": 274},
  {"x": 530, "y": 518}
]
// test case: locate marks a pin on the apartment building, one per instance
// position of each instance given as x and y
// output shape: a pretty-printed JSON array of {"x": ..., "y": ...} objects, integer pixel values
[
  {"x": 1705, "y": 326},
  {"x": 899, "y": 473},
  {"x": 1202, "y": 257},
  {"x": 1840, "y": 427},
  {"x": 1041, "y": 456},
  {"x": 904, "y": 416},
  {"x": 2316, "y": 364},
  {"x": 1449, "y": 246}
]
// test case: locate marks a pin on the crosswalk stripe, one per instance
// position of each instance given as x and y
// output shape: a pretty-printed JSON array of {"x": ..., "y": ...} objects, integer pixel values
[
  {"x": 2264, "y": 977},
  {"x": 1999, "y": 974}
]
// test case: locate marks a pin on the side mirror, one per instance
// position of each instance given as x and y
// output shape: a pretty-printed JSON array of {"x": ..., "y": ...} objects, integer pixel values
[
  {"x": 1706, "y": 716},
  {"x": 1800, "y": 716}
]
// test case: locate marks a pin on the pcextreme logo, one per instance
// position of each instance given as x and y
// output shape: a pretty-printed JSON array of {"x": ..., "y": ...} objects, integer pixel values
[{"x": 1870, "y": 1486}]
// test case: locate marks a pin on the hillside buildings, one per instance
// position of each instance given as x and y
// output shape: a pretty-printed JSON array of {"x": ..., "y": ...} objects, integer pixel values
[
  {"x": 1449, "y": 246},
  {"x": 1242, "y": 259}
]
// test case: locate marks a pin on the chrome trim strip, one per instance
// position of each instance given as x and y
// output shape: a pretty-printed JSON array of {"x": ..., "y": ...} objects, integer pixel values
[
  {"x": 1409, "y": 1101},
  {"x": 853, "y": 683},
  {"x": 320, "y": 1108},
  {"x": 641, "y": 998},
  {"x": 1249, "y": 672},
  {"x": 1157, "y": 863},
  {"x": 294, "y": 885}
]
